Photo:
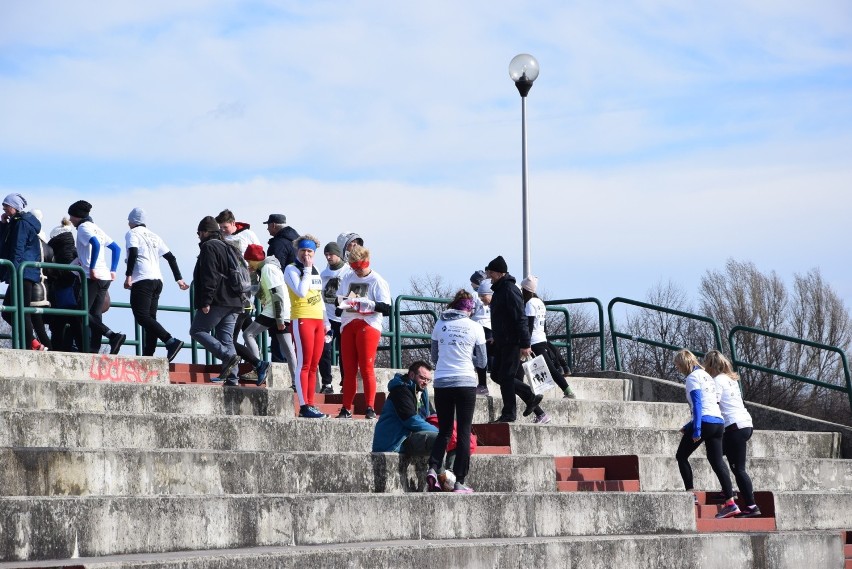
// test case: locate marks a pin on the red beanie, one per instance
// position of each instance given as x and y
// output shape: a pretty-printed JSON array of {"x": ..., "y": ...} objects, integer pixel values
[{"x": 254, "y": 252}]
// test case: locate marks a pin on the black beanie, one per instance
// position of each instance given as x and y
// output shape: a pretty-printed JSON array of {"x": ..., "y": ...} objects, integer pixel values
[
  {"x": 79, "y": 208},
  {"x": 498, "y": 265},
  {"x": 331, "y": 247},
  {"x": 208, "y": 224}
]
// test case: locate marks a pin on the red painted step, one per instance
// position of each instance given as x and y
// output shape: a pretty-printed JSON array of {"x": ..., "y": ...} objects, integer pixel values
[
  {"x": 201, "y": 374},
  {"x": 598, "y": 486},
  {"x": 483, "y": 449},
  {"x": 492, "y": 438},
  {"x": 847, "y": 548},
  {"x": 708, "y": 506},
  {"x": 580, "y": 474}
]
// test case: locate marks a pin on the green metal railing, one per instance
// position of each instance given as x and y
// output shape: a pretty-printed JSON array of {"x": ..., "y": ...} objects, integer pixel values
[
  {"x": 399, "y": 336},
  {"x": 12, "y": 307},
  {"x": 567, "y": 337},
  {"x": 82, "y": 312},
  {"x": 616, "y": 334},
  {"x": 740, "y": 363}
]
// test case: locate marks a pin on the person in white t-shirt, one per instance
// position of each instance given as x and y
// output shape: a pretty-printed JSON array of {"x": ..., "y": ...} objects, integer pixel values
[
  {"x": 145, "y": 282},
  {"x": 331, "y": 276},
  {"x": 738, "y": 425},
  {"x": 368, "y": 301},
  {"x": 706, "y": 426},
  {"x": 91, "y": 240},
  {"x": 536, "y": 313},
  {"x": 458, "y": 348}
]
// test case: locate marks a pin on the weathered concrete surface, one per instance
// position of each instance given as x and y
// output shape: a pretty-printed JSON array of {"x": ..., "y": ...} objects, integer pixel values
[
  {"x": 592, "y": 441},
  {"x": 813, "y": 510},
  {"x": 96, "y": 397},
  {"x": 46, "y": 528},
  {"x": 130, "y": 472},
  {"x": 660, "y": 474},
  {"x": 787, "y": 550},
  {"x": 27, "y": 364},
  {"x": 765, "y": 418},
  {"x": 614, "y": 413}
]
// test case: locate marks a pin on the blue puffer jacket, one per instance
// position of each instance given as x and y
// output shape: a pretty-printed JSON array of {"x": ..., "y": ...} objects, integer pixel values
[
  {"x": 400, "y": 415},
  {"x": 19, "y": 242}
]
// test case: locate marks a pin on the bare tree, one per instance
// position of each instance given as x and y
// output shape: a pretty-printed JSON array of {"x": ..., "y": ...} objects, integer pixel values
[{"x": 418, "y": 316}]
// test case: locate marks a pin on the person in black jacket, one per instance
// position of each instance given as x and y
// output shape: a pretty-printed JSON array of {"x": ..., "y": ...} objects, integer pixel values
[
  {"x": 280, "y": 247},
  {"x": 63, "y": 290},
  {"x": 217, "y": 306},
  {"x": 511, "y": 342}
]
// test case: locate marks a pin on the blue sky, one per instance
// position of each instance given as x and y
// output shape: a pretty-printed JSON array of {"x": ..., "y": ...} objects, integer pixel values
[{"x": 664, "y": 137}]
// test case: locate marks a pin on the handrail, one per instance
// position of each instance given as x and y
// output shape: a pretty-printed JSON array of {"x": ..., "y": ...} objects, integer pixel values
[
  {"x": 739, "y": 363},
  {"x": 396, "y": 328},
  {"x": 83, "y": 311},
  {"x": 554, "y": 305},
  {"x": 615, "y": 334},
  {"x": 14, "y": 336}
]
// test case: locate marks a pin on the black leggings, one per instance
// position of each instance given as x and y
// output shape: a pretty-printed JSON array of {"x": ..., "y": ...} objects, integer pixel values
[
  {"x": 734, "y": 445},
  {"x": 711, "y": 436},
  {"x": 144, "y": 301},
  {"x": 454, "y": 404}
]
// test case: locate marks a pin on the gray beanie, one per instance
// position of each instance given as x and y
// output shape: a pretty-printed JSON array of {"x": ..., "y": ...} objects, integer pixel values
[
  {"x": 15, "y": 201},
  {"x": 136, "y": 216},
  {"x": 485, "y": 287}
]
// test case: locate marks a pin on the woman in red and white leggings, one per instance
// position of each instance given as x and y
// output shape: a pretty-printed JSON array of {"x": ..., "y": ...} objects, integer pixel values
[{"x": 367, "y": 301}]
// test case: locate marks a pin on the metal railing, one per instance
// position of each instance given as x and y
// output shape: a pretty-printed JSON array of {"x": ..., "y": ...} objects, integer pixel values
[
  {"x": 11, "y": 307},
  {"x": 740, "y": 363},
  {"x": 616, "y": 334},
  {"x": 399, "y": 337},
  {"x": 568, "y": 336}
]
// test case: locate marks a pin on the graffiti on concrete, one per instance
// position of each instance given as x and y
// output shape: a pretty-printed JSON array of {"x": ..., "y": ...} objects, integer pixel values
[{"x": 120, "y": 370}]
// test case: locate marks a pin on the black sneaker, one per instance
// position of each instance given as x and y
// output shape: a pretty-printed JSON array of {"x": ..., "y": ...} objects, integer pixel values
[
  {"x": 369, "y": 413},
  {"x": 232, "y": 382},
  {"x": 173, "y": 348},
  {"x": 502, "y": 420},
  {"x": 327, "y": 389},
  {"x": 229, "y": 365},
  {"x": 344, "y": 413},
  {"x": 533, "y": 404},
  {"x": 116, "y": 342},
  {"x": 749, "y": 512}
]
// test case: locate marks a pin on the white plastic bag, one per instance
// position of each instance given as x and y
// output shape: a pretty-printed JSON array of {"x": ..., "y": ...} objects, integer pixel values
[{"x": 537, "y": 375}]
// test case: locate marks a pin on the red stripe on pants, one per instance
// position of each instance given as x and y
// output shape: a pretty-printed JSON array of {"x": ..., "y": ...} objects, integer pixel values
[{"x": 358, "y": 344}]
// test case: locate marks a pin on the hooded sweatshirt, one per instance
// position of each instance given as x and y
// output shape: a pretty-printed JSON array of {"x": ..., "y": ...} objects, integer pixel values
[
  {"x": 402, "y": 414},
  {"x": 458, "y": 345},
  {"x": 19, "y": 242}
]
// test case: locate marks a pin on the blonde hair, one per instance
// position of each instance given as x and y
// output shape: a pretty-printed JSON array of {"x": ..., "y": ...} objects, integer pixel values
[
  {"x": 358, "y": 253},
  {"x": 305, "y": 237},
  {"x": 685, "y": 361},
  {"x": 715, "y": 363}
]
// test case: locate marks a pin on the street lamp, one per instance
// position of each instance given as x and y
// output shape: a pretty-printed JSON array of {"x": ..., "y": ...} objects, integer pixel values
[{"x": 523, "y": 69}]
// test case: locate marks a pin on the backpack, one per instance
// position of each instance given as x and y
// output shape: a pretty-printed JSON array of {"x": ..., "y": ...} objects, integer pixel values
[{"x": 237, "y": 279}]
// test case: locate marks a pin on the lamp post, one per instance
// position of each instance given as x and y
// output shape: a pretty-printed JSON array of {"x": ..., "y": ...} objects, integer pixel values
[{"x": 523, "y": 69}]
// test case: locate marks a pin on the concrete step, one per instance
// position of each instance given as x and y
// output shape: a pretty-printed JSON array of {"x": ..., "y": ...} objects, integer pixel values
[
  {"x": 709, "y": 506},
  {"x": 660, "y": 473},
  {"x": 597, "y": 473},
  {"x": 561, "y": 440},
  {"x": 130, "y": 472},
  {"x": 585, "y": 388},
  {"x": 767, "y": 551},
  {"x": 787, "y": 550},
  {"x": 97, "y": 397},
  {"x": 613, "y": 413},
  {"x": 62, "y": 528}
]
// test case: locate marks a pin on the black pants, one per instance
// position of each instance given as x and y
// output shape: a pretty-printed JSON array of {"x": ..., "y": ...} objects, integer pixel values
[
  {"x": 734, "y": 446},
  {"x": 243, "y": 321},
  {"x": 26, "y": 299},
  {"x": 454, "y": 405},
  {"x": 328, "y": 353},
  {"x": 507, "y": 363},
  {"x": 542, "y": 350},
  {"x": 489, "y": 350},
  {"x": 97, "y": 294},
  {"x": 711, "y": 436},
  {"x": 144, "y": 301}
]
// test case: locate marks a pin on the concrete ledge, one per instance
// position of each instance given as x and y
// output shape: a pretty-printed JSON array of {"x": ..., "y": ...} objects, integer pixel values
[
  {"x": 592, "y": 441},
  {"x": 813, "y": 510},
  {"x": 129, "y": 472},
  {"x": 27, "y": 364},
  {"x": 613, "y": 413},
  {"x": 660, "y": 474},
  {"x": 764, "y": 417},
  {"x": 787, "y": 550},
  {"x": 49, "y": 528}
]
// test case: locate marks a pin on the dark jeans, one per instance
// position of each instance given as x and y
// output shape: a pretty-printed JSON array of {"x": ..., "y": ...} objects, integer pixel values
[
  {"x": 507, "y": 363},
  {"x": 144, "y": 301},
  {"x": 454, "y": 405},
  {"x": 328, "y": 352},
  {"x": 734, "y": 446},
  {"x": 97, "y": 294},
  {"x": 711, "y": 436},
  {"x": 489, "y": 350}
]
